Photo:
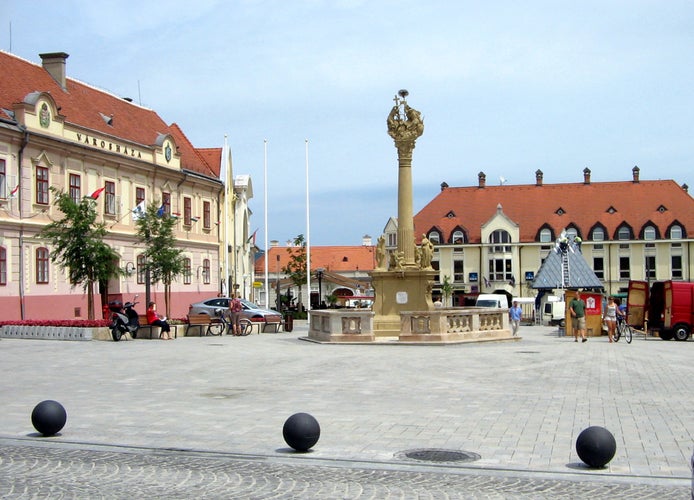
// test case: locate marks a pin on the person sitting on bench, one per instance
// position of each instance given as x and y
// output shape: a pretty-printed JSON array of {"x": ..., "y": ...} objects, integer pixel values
[{"x": 154, "y": 319}]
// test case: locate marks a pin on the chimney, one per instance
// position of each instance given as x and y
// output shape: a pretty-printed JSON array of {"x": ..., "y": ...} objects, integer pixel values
[
  {"x": 635, "y": 173},
  {"x": 54, "y": 63},
  {"x": 538, "y": 177},
  {"x": 586, "y": 175},
  {"x": 482, "y": 179},
  {"x": 444, "y": 185},
  {"x": 366, "y": 240},
  {"x": 274, "y": 243}
]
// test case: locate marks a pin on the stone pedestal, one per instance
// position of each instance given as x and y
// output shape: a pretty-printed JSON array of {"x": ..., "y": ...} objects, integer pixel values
[{"x": 396, "y": 292}]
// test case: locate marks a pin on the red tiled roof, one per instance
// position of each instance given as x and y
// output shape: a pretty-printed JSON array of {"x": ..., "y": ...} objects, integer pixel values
[
  {"x": 584, "y": 205},
  {"x": 84, "y": 105},
  {"x": 331, "y": 258}
]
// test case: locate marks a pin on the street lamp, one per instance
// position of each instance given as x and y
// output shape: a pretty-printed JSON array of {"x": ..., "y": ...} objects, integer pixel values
[{"x": 319, "y": 275}]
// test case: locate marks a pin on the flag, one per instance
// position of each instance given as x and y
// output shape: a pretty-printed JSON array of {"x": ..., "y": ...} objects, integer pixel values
[
  {"x": 14, "y": 192},
  {"x": 160, "y": 212},
  {"x": 96, "y": 193},
  {"x": 139, "y": 211},
  {"x": 486, "y": 282},
  {"x": 251, "y": 238}
]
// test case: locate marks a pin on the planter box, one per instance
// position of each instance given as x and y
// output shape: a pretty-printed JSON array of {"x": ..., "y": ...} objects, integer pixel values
[{"x": 54, "y": 332}]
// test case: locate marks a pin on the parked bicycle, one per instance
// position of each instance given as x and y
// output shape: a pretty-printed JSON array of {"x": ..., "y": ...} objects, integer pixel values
[
  {"x": 623, "y": 330},
  {"x": 221, "y": 323}
]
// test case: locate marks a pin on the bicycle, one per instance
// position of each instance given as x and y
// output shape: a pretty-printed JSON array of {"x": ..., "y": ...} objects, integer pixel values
[
  {"x": 623, "y": 330},
  {"x": 218, "y": 324}
]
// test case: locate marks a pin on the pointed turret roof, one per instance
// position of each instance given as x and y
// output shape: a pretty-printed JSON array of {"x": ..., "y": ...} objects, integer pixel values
[{"x": 550, "y": 275}]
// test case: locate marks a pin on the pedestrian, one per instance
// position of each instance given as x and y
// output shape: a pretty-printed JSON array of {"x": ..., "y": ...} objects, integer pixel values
[
  {"x": 610, "y": 317},
  {"x": 235, "y": 308},
  {"x": 515, "y": 314},
  {"x": 578, "y": 316},
  {"x": 154, "y": 319}
]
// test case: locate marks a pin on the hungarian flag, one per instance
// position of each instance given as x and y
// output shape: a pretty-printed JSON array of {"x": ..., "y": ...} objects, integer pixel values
[
  {"x": 13, "y": 193},
  {"x": 96, "y": 193}
]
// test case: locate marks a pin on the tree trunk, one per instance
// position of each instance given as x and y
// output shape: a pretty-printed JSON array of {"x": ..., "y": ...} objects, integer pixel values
[{"x": 90, "y": 300}]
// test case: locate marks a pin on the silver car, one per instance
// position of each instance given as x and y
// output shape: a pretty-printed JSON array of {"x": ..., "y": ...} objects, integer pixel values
[{"x": 210, "y": 307}]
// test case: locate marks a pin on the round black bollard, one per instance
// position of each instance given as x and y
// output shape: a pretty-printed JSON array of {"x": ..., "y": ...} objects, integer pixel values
[
  {"x": 48, "y": 417},
  {"x": 301, "y": 431},
  {"x": 596, "y": 446}
]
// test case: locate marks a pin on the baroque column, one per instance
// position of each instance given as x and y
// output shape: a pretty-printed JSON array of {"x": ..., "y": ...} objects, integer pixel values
[{"x": 405, "y": 125}]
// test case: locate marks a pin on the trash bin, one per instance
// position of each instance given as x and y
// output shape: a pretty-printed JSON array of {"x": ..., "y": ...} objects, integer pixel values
[{"x": 288, "y": 322}]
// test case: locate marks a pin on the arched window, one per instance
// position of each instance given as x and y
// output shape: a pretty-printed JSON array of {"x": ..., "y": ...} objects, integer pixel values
[
  {"x": 649, "y": 233},
  {"x": 500, "y": 241},
  {"x": 458, "y": 237},
  {"x": 598, "y": 234},
  {"x": 3, "y": 266},
  {"x": 571, "y": 232},
  {"x": 624, "y": 233},
  {"x": 676, "y": 232},
  {"x": 42, "y": 265},
  {"x": 434, "y": 237},
  {"x": 545, "y": 235}
]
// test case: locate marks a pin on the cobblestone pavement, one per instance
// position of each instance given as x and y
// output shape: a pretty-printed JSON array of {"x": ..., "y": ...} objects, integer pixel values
[{"x": 202, "y": 417}]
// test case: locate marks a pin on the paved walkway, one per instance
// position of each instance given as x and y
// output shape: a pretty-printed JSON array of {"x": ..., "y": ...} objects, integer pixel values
[{"x": 203, "y": 417}]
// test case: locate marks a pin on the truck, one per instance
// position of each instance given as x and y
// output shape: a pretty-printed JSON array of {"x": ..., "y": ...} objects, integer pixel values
[
  {"x": 666, "y": 307},
  {"x": 553, "y": 311}
]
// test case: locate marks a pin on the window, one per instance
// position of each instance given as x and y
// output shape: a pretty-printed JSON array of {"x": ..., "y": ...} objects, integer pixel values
[
  {"x": 434, "y": 237},
  {"x": 206, "y": 271},
  {"x": 139, "y": 195},
  {"x": 3, "y": 266},
  {"x": 141, "y": 273},
  {"x": 42, "y": 185},
  {"x": 676, "y": 232},
  {"x": 436, "y": 266},
  {"x": 624, "y": 273},
  {"x": 676, "y": 267},
  {"x": 75, "y": 187},
  {"x": 110, "y": 198},
  {"x": 458, "y": 237},
  {"x": 649, "y": 233},
  {"x": 571, "y": 233},
  {"x": 545, "y": 235},
  {"x": 599, "y": 267},
  {"x": 623, "y": 233},
  {"x": 206, "y": 223},
  {"x": 500, "y": 241},
  {"x": 650, "y": 266},
  {"x": 166, "y": 203},
  {"x": 42, "y": 265},
  {"x": 598, "y": 234},
  {"x": 500, "y": 269},
  {"x": 186, "y": 271},
  {"x": 3, "y": 179},
  {"x": 458, "y": 272},
  {"x": 392, "y": 239},
  {"x": 186, "y": 211}
]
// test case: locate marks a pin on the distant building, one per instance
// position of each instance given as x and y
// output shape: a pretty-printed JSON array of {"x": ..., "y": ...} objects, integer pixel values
[{"x": 495, "y": 238}]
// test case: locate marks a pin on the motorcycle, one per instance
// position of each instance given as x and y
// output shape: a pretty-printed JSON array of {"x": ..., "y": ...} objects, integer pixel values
[{"x": 124, "y": 319}]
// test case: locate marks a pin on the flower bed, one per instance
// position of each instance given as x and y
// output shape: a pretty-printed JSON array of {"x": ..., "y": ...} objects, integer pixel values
[{"x": 75, "y": 329}]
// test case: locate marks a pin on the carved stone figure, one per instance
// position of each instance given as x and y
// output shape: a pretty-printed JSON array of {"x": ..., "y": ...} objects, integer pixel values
[
  {"x": 427, "y": 251},
  {"x": 381, "y": 253}
]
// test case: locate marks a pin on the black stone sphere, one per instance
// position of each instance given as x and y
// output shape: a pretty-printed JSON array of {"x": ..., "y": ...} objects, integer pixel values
[
  {"x": 48, "y": 417},
  {"x": 301, "y": 431},
  {"x": 596, "y": 446}
]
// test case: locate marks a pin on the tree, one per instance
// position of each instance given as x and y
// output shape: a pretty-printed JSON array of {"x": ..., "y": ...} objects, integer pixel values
[
  {"x": 162, "y": 259},
  {"x": 446, "y": 290},
  {"x": 296, "y": 267},
  {"x": 78, "y": 246}
]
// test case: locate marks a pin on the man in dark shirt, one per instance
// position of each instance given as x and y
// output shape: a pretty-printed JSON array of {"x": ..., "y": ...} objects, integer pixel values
[{"x": 578, "y": 316}]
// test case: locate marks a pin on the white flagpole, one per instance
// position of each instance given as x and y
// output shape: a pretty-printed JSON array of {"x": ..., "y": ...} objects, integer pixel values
[
  {"x": 225, "y": 179},
  {"x": 267, "y": 247},
  {"x": 308, "y": 241}
]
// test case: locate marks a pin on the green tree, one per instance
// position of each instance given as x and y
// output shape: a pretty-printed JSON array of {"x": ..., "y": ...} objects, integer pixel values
[
  {"x": 162, "y": 259},
  {"x": 78, "y": 246},
  {"x": 446, "y": 290},
  {"x": 295, "y": 269}
]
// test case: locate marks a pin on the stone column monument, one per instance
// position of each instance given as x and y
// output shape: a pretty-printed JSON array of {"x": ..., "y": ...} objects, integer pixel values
[{"x": 403, "y": 282}]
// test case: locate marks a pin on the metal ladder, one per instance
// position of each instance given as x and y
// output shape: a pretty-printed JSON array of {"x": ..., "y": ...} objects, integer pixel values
[{"x": 565, "y": 269}]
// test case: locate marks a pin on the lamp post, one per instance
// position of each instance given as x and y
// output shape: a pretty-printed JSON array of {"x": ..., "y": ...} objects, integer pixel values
[
  {"x": 279, "y": 303},
  {"x": 319, "y": 275}
]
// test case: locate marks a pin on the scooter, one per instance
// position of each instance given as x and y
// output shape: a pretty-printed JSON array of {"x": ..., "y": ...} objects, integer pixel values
[{"x": 124, "y": 319}]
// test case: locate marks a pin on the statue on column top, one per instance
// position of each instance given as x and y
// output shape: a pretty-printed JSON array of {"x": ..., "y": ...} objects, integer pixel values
[{"x": 404, "y": 122}]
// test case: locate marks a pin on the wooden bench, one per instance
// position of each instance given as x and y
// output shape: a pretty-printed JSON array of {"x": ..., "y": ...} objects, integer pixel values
[
  {"x": 261, "y": 324},
  {"x": 201, "y": 321},
  {"x": 152, "y": 329}
]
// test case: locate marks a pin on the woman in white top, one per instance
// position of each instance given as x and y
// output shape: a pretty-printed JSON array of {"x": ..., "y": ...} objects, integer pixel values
[{"x": 610, "y": 317}]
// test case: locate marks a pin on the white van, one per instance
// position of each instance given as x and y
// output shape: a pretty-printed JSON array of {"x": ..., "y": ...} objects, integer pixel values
[
  {"x": 553, "y": 311},
  {"x": 491, "y": 300}
]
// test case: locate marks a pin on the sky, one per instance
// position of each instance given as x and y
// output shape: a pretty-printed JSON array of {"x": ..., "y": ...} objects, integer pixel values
[{"x": 504, "y": 87}]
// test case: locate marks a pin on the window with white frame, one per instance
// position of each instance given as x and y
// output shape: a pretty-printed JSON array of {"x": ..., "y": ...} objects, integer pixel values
[
  {"x": 598, "y": 234},
  {"x": 206, "y": 271},
  {"x": 186, "y": 271},
  {"x": 42, "y": 265},
  {"x": 623, "y": 233},
  {"x": 110, "y": 198},
  {"x": 545, "y": 235},
  {"x": 649, "y": 233},
  {"x": 599, "y": 267},
  {"x": 624, "y": 268},
  {"x": 500, "y": 241},
  {"x": 458, "y": 237},
  {"x": 676, "y": 232},
  {"x": 676, "y": 267},
  {"x": 434, "y": 237}
]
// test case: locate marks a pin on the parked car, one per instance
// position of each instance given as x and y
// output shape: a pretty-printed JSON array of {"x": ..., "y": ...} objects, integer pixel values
[{"x": 250, "y": 310}]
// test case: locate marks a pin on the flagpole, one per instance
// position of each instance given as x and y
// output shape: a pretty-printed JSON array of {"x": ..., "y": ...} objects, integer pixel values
[
  {"x": 267, "y": 248},
  {"x": 225, "y": 180},
  {"x": 308, "y": 242}
]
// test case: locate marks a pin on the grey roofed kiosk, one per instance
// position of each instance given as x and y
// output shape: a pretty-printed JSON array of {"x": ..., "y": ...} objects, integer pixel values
[{"x": 565, "y": 267}]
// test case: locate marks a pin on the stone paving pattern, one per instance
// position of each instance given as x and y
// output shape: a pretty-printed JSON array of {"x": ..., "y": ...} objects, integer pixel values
[{"x": 203, "y": 417}]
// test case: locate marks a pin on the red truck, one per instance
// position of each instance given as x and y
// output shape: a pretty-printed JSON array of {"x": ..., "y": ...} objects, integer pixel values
[{"x": 668, "y": 306}]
